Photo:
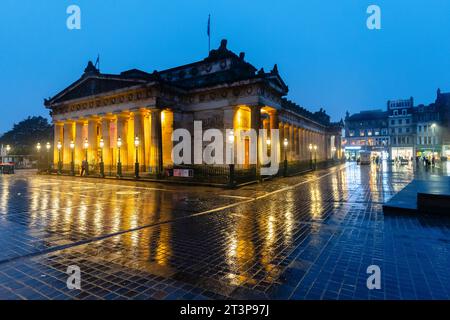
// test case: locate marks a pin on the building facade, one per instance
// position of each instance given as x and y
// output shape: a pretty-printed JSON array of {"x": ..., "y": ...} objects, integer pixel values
[
  {"x": 368, "y": 131},
  {"x": 401, "y": 128},
  {"x": 223, "y": 91},
  {"x": 407, "y": 131}
]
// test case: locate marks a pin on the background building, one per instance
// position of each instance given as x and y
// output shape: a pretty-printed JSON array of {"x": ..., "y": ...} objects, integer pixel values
[
  {"x": 367, "y": 130},
  {"x": 404, "y": 131},
  {"x": 401, "y": 128}
]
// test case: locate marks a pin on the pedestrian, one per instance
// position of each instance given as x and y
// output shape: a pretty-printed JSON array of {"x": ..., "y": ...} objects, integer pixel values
[
  {"x": 83, "y": 168},
  {"x": 433, "y": 161}
]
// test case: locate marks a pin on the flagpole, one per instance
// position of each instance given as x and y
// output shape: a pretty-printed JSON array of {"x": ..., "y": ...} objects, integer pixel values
[{"x": 209, "y": 34}]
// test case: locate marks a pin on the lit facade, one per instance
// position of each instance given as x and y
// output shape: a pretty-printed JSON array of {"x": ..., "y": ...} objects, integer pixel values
[{"x": 222, "y": 90}]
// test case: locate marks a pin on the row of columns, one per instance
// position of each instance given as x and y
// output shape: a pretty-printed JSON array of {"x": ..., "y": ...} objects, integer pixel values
[
  {"x": 299, "y": 140},
  {"x": 143, "y": 124}
]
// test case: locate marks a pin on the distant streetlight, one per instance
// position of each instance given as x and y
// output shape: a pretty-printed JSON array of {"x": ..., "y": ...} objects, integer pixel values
[
  {"x": 136, "y": 165},
  {"x": 8, "y": 148},
  {"x": 285, "y": 143},
  {"x": 310, "y": 147},
  {"x": 48, "y": 147},
  {"x": 38, "y": 149},
  {"x": 72, "y": 162},
  {"x": 102, "y": 164},
  {"x": 119, "y": 163},
  {"x": 59, "y": 146}
]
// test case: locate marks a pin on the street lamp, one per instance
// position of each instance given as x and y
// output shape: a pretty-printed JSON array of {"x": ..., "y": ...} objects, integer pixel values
[
  {"x": 48, "y": 146},
  {"x": 38, "y": 148},
  {"x": 315, "y": 157},
  {"x": 86, "y": 163},
  {"x": 231, "y": 140},
  {"x": 102, "y": 165},
  {"x": 268, "y": 143},
  {"x": 72, "y": 162},
  {"x": 136, "y": 165},
  {"x": 59, "y": 146},
  {"x": 285, "y": 143},
  {"x": 119, "y": 164},
  {"x": 310, "y": 147},
  {"x": 434, "y": 136}
]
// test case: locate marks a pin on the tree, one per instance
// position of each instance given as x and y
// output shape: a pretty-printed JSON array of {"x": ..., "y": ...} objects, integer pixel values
[{"x": 24, "y": 135}]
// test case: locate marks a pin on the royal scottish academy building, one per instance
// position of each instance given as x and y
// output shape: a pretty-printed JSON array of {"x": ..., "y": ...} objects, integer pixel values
[{"x": 99, "y": 117}]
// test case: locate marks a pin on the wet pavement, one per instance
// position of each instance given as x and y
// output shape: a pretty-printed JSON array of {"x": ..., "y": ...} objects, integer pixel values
[{"x": 306, "y": 237}]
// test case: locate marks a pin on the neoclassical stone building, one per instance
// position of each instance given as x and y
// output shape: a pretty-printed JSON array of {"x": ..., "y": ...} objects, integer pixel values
[{"x": 223, "y": 91}]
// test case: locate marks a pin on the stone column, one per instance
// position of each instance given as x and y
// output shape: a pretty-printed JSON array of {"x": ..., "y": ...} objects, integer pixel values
[
  {"x": 80, "y": 137},
  {"x": 93, "y": 138},
  {"x": 156, "y": 142},
  {"x": 280, "y": 143},
  {"x": 58, "y": 128},
  {"x": 69, "y": 135},
  {"x": 106, "y": 136},
  {"x": 139, "y": 131},
  {"x": 256, "y": 125},
  {"x": 122, "y": 133}
]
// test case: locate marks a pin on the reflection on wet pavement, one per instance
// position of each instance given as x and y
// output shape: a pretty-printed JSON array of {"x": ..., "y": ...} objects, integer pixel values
[{"x": 307, "y": 237}]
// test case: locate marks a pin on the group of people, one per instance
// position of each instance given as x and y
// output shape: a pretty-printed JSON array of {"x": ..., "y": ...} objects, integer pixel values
[{"x": 427, "y": 161}]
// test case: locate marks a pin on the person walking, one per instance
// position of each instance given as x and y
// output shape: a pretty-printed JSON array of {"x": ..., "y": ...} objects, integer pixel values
[{"x": 83, "y": 168}]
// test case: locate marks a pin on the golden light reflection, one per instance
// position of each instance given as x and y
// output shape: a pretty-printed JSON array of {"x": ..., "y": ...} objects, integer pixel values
[{"x": 316, "y": 200}]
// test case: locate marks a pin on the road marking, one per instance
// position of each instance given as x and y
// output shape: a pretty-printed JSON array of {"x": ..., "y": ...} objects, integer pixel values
[{"x": 235, "y": 197}]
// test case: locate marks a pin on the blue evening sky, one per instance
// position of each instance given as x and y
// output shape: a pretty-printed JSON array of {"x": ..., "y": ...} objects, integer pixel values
[{"x": 324, "y": 51}]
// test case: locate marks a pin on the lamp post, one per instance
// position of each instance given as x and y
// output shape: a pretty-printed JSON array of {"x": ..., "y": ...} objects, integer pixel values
[
  {"x": 119, "y": 164},
  {"x": 38, "y": 148},
  {"x": 59, "y": 146},
  {"x": 86, "y": 163},
  {"x": 433, "y": 136},
  {"x": 315, "y": 157},
  {"x": 72, "y": 163},
  {"x": 310, "y": 147},
  {"x": 8, "y": 149},
  {"x": 231, "y": 140},
  {"x": 48, "y": 146},
  {"x": 136, "y": 165},
  {"x": 285, "y": 143},
  {"x": 102, "y": 164}
]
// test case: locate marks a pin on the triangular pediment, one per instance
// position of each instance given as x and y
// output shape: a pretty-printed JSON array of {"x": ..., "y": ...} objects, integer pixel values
[{"x": 93, "y": 85}]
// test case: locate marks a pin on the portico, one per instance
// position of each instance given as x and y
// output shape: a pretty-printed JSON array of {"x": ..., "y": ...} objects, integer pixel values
[{"x": 135, "y": 113}]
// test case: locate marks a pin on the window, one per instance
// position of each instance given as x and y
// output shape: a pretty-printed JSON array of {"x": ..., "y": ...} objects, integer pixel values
[
  {"x": 369, "y": 132},
  {"x": 407, "y": 129},
  {"x": 352, "y": 133},
  {"x": 399, "y": 130},
  {"x": 361, "y": 133},
  {"x": 400, "y": 121},
  {"x": 392, "y": 122},
  {"x": 407, "y": 121},
  {"x": 395, "y": 112},
  {"x": 404, "y": 112},
  {"x": 420, "y": 128}
]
